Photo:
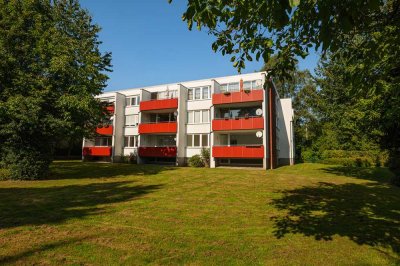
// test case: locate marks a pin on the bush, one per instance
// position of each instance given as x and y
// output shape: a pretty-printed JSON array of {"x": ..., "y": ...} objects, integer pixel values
[
  {"x": 196, "y": 161},
  {"x": 5, "y": 174},
  {"x": 205, "y": 156},
  {"x": 310, "y": 156},
  {"x": 26, "y": 164},
  {"x": 355, "y": 158}
]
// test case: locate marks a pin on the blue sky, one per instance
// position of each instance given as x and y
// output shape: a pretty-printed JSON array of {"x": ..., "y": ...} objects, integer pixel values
[{"x": 151, "y": 45}]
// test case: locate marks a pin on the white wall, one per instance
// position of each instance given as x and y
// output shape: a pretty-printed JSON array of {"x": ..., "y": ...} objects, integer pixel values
[{"x": 285, "y": 118}]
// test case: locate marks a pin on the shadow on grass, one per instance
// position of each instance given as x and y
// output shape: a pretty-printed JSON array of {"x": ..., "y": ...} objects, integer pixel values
[
  {"x": 50, "y": 205},
  {"x": 366, "y": 213},
  {"x": 40, "y": 248},
  {"x": 80, "y": 170}
]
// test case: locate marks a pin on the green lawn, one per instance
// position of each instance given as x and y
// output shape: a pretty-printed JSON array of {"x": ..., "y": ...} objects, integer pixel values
[{"x": 309, "y": 214}]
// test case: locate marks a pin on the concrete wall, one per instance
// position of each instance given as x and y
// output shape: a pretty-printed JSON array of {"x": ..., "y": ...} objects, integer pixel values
[{"x": 285, "y": 116}]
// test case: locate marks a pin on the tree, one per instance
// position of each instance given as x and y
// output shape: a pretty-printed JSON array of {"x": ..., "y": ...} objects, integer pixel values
[
  {"x": 50, "y": 70},
  {"x": 301, "y": 87},
  {"x": 289, "y": 28}
]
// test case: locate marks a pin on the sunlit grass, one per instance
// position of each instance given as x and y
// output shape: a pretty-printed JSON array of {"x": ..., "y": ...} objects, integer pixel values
[{"x": 106, "y": 214}]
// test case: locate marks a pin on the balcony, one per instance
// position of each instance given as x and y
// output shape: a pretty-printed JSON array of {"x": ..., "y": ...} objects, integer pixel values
[
  {"x": 96, "y": 151},
  {"x": 248, "y": 151},
  {"x": 163, "y": 127},
  {"x": 110, "y": 109},
  {"x": 159, "y": 104},
  {"x": 105, "y": 130},
  {"x": 157, "y": 151},
  {"x": 238, "y": 97},
  {"x": 241, "y": 123}
]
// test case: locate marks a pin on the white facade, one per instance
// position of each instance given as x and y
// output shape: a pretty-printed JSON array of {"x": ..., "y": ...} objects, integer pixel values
[{"x": 235, "y": 117}]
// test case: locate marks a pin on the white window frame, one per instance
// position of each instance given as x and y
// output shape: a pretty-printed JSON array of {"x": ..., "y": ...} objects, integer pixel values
[
  {"x": 129, "y": 137},
  {"x": 201, "y": 89},
  {"x": 135, "y": 121},
  {"x": 191, "y": 90},
  {"x": 253, "y": 84},
  {"x": 200, "y": 140},
  {"x": 130, "y": 98},
  {"x": 192, "y": 116}
]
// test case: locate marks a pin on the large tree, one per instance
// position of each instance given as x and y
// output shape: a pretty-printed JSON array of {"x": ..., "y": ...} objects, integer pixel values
[
  {"x": 289, "y": 28},
  {"x": 51, "y": 68}
]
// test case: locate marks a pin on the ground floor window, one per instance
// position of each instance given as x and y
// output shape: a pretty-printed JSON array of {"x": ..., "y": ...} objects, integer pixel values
[
  {"x": 198, "y": 140},
  {"x": 131, "y": 141},
  {"x": 103, "y": 141}
]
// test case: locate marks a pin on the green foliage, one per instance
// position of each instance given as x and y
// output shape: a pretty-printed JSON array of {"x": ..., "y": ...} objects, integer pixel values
[
  {"x": 258, "y": 29},
  {"x": 196, "y": 161},
  {"x": 51, "y": 68},
  {"x": 311, "y": 156},
  {"x": 205, "y": 156}
]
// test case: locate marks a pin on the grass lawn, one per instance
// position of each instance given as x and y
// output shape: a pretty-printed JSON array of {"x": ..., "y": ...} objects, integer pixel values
[{"x": 309, "y": 214}]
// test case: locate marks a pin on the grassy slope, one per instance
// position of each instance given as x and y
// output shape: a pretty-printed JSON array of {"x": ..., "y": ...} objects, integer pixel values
[{"x": 127, "y": 214}]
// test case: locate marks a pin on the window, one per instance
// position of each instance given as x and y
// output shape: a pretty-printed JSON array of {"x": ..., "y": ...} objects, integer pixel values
[
  {"x": 204, "y": 140},
  {"x": 190, "y": 117},
  {"x": 189, "y": 140},
  {"x": 223, "y": 87},
  {"x": 252, "y": 84},
  {"x": 190, "y": 94},
  {"x": 197, "y": 140},
  {"x": 247, "y": 85},
  {"x": 103, "y": 141},
  {"x": 232, "y": 87},
  {"x": 131, "y": 141},
  {"x": 132, "y": 101},
  {"x": 206, "y": 92},
  {"x": 197, "y": 93},
  {"x": 131, "y": 120},
  {"x": 198, "y": 116},
  {"x": 205, "y": 116}
]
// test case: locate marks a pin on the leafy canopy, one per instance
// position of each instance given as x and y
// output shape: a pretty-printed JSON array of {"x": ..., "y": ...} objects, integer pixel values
[
  {"x": 51, "y": 68},
  {"x": 248, "y": 29}
]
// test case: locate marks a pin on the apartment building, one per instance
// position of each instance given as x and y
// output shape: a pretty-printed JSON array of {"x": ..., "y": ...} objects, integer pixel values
[{"x": 240, "y": 118}]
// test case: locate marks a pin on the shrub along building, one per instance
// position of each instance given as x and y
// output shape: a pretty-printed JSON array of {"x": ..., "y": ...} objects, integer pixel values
[{"x": 241, "y": 119}]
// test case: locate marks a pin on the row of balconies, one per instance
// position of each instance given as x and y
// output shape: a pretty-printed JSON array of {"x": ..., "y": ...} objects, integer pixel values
[
  {"x": 218, "y": 124},
  {"x": 221, "y": 124},
  {"x": 220, "y": 98},
  {"x": 248, "y": 151}
]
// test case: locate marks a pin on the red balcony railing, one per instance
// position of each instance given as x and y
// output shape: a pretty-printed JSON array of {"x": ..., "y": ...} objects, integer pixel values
[
  {"x": 250, "y": 151},
  {"x": 110, "y": 109},
  {"x": 241, "y": 123},
  {"x": 105, "y": 130},
  {"x": 96, "y": 151},
  {"x": 164, "y": 127},
  {"x": 238, "y": 97},
  {"x": 157, "y": 151},
  {"x": 159, "y": 104}
]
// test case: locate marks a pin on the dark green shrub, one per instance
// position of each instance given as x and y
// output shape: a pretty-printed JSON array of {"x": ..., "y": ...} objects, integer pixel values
[
  {"x": 196, "y": 161},
  {"x": 310, "y": 155},
  {"x": 26, "y": 164},
  {"x": 205, "y": 156}
]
